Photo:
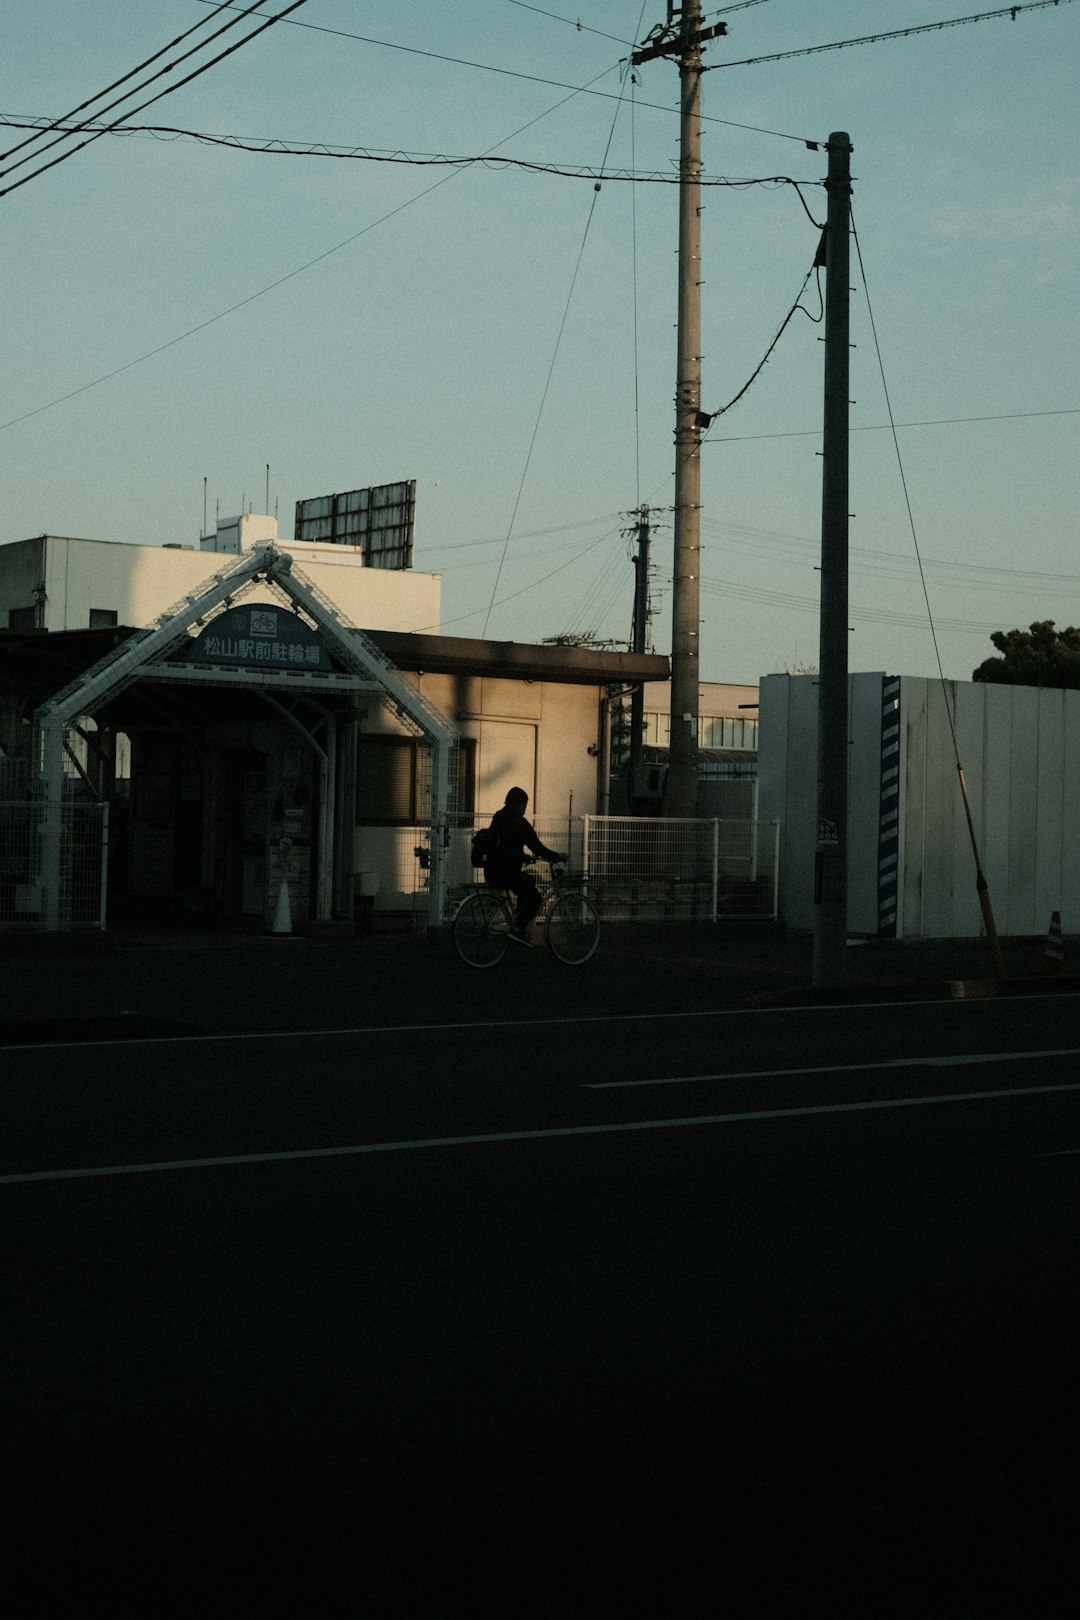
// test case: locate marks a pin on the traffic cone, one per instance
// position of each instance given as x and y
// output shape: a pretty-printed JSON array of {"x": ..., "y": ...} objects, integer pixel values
[
  {"x": 1054, "y": 953},
  {"x": 282, "y": 923}
]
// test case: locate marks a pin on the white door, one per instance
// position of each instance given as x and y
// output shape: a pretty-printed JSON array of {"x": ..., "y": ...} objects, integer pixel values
[{"x": 507, "y": 758}]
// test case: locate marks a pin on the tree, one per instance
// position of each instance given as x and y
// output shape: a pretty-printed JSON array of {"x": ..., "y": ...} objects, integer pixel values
[{"x": 1041, "y": 656}]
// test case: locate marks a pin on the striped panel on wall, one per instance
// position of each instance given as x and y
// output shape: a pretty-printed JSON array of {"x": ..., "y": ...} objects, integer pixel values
[{"x": 889, "y": 811}]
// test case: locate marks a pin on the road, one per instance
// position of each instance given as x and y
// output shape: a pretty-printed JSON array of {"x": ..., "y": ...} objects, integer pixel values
[{"x": 719, "y": 1269}]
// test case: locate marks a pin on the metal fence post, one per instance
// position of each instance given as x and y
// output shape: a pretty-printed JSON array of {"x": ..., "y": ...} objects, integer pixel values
[
  {"x": 585, "y": 835},
  {"x": 104, "y": 877},
  {"x": 715, "y": 867}
]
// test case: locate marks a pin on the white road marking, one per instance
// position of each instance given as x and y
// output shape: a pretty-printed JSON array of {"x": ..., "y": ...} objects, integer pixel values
[
  {"x": 929, "y": 1062},
  {"x": 409, "y": 1146},
  {"x": 212, "y": 1036}
]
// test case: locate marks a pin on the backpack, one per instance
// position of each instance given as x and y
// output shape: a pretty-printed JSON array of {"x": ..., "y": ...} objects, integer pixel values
[{"x": 484, "y": 843}]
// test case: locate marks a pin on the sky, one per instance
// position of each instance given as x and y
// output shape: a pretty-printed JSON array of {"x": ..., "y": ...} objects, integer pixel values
[{"x": 178, "y": 314}]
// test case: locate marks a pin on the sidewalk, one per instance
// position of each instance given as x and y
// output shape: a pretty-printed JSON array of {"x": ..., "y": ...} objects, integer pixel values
[{"x": 143, "y": 983}]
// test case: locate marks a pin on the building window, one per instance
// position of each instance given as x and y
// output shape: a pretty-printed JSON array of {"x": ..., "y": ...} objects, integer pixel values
[
  {"x": 24, "y": 618},
  {"x": 102, "y": 618},
  {"x": 386, "y": 785},
  {"x": 727, "y": 731},
  {"x": 656, "y": 731},
  {"x": 393, "y": 781},
  {"x": 714, "y": 731}
]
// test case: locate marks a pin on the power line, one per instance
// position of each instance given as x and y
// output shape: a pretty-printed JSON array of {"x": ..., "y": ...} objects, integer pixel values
[
  {"x": 130, "y": 74},
  {"x": 758, "y": 543},
  {"x": 533, "y": 78},
  {"x": 894, "y": 33},
  {"x": 806, "y": 604},
  {"x": 554, "y": 357},
  {"x": 519, "y": 560},
  {"x": 475, "y": 613},
  {"x": 914, "y": 532},
  {"x": 597, "y": 599},
  {"x": 522, "y": 534},
  {"x": 797, "y": 305},
  {"x": 582, "y": 28},
  {"x": 886, "y": 427},
  {"x": 275, "y": 146},
  {"x": 197, "y": 73},
  {"x": 280, "y": 282}
]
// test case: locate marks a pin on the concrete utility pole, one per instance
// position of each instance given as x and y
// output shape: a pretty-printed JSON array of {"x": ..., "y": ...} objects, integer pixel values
[
  {"x": 830, "y": 866},
  {"x": 683, "y": 36},
  {"x": 638, "y": 639}
]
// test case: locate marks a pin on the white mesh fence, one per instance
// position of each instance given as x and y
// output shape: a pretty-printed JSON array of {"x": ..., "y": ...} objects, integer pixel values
[
  {"x": 634, "y": 868},
  {"x": 84, "y": 843},
  {"x": 651, "y": 869}
]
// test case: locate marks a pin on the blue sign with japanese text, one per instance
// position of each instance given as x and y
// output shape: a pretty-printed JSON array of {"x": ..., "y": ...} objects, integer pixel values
[{"x": 256, "y": 636}]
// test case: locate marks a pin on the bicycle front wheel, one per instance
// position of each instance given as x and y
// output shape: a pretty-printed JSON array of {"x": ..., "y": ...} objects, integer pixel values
[
  {"x": 480, "y": 929},
  {"x": 572, "y": 929}
]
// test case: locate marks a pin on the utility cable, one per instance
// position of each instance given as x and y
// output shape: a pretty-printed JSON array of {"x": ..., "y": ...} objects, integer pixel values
[
  {"x": 904, "y": 484},
  {"x": 598, "y": 597},
  {"x": 197, "y": 73},
  {"x": 533, "y": 78},
  {"x": 797, "y": 305},
  {"x": 272, "y": 146},
  {"x": 885, "y": 427},
  {"x": 540, "y": 412},
  {"x": 807, "y": 604},
  {"x": 280, "y": 282},
  {"x": 982, "y": 888},
  {"x": 582, "y": 28},
  {"x": 130, "y": 74},
  {"x": 532, "y": 586},
  {"x": 523, "y": 534},
  {"x": 895, "y": 33},
  {"x": 554, "y": 358}
]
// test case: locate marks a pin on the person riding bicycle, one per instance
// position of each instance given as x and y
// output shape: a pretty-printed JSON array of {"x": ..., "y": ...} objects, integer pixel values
[{"x": 503, "y": 870}]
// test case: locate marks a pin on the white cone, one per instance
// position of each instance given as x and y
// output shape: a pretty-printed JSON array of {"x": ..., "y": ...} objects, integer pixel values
[{"x": 282, "y": 923}]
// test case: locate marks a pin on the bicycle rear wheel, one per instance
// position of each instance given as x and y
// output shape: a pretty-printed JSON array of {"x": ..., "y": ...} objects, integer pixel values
[
  {"x": 480, "y": 928},
  {"x": 572, "y": 929}
]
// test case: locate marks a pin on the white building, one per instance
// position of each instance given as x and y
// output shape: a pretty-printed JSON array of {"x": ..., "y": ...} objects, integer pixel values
[
  {"x": 727, "y": 751},
  {"x": 276, "y": 732},
  {"x": 53, "y": 582}
]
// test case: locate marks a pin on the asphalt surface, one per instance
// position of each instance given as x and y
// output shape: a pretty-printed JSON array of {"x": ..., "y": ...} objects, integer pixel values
[
  {"x": 538, "y": 1291},
  {"x": 131, "y": 982}
]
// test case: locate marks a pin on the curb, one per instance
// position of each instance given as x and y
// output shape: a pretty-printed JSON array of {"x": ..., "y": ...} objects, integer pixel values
[{"x": 915, "y": 990}]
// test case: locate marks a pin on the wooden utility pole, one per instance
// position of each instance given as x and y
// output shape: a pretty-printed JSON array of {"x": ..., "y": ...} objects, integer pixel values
[
  {"x": 683, "y": 37},
  {"x": 830, "y": 865}
]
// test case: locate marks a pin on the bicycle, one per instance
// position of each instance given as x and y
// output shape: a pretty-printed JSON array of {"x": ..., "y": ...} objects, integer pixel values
[{"x": 482, "y": 922}]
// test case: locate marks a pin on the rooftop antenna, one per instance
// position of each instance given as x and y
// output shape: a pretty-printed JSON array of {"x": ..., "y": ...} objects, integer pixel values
[
  {"x": 204, "y": 484},
  {"x": 266, "y": 508}
]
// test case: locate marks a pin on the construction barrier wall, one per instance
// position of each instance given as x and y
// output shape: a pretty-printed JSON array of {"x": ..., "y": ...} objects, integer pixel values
[{"x": 911, "y": 870}]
